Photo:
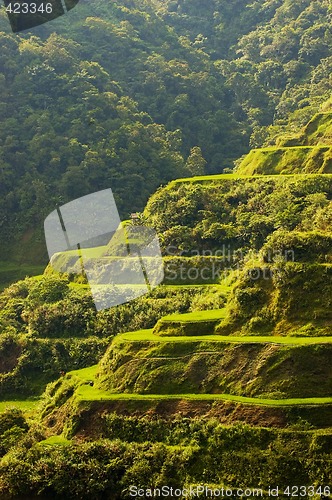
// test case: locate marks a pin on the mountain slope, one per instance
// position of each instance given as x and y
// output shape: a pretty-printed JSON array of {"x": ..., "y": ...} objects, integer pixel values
[
  {"x": 221, "y": 376},
  {"x": 214, "y": 74},
  {"x": 183, "y": 381}
]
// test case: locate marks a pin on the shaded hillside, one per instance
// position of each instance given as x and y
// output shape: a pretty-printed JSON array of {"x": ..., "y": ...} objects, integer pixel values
[
  {"x": 221, "y": 375},
  {"x": 275, "y": 55},
  {"x": 77, "y": 116}
]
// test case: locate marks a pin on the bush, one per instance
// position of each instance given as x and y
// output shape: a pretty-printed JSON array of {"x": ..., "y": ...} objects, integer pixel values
[{"x": 298, "y": 246}]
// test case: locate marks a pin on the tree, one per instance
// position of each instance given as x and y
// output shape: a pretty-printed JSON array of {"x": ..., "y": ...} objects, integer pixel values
[{"x": 196, "y": 162}]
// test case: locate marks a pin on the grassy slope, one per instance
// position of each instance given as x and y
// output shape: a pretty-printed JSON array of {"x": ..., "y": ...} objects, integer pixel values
[
  {"x": 311, "y": 157},
  {"x": 238, "y": 175},
  {"x": 308, "y": 152},
  {"x": 288, "y": 160},
  {"x": 27, "y": 406},
  {"x": 89, "y": 393},
  {"x": 147, "y": 337},
  {"x": 252, "y": 369},
  {"x": 319, "y": 129}
]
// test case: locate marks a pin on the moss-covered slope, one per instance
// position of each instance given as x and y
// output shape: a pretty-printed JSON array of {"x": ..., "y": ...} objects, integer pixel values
[
  {"x": 307, "y": 152},
  {"x": 253, "y": 370},
  {"x": 285, "y": 290}
]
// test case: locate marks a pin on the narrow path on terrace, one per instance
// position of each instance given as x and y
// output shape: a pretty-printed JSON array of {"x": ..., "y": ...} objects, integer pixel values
[
  {"x": 227, "y": 177},
  {"x": 87, "y": 393},
  {"x": 149, "y": 336}
]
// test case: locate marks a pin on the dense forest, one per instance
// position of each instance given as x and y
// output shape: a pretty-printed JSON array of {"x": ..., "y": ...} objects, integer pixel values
[
  {"x": 77, "y": 113},
  {"x": 212, "y": 120}
]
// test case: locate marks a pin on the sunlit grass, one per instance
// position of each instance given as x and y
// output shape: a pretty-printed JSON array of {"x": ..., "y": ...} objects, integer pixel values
[
  {"x": 88, "y": 393},
  {"x": 85, "y": 373},
  {"x": 235, "y": 176},
  {"x": 149, "y": 336},
  {"x": 26, "y": 406},
  {"x": 196, "y": 316},
  {"x": 88, "y": 252},
  {"x": 55, "y": 441},
  {"x": 224, "y": 288}
]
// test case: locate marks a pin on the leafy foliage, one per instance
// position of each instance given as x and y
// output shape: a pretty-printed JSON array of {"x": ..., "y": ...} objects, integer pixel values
[
  {"x": 231, "y": 217},
  {"x": 47, "y": 326},
  {"x": 237, "y": 455},
  {"x": 199, "y": 78},
  {"x": 76, "y": 119}
]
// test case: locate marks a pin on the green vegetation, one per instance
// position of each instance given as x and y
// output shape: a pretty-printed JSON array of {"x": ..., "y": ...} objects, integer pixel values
[
  {"x": 88, "y": 394},
  {"x": 274, "y": 357},
  {"x": 154, "y": 453},
  {"x": 267, "y": 369},
  {"x": 77, "y": 116},
  {"x": 295, "y": 159},
  {"x": 218, "y": 74},
  {"x": 281, "y": 299},
  {"x": 50, "y": 325},
  {"x": 187, "y": 324},
  {"x": 170, "y": 348},
  {"x": 28, "y": 406},
  {"x": 55, "y": 441},
  {"x": 222, "y": 374},
  {"x": 11, "y": 272},
  {"x": 150, "y": 336},
  {"x": 245, "y": 212},
  {"x": 308, "y": 152}
]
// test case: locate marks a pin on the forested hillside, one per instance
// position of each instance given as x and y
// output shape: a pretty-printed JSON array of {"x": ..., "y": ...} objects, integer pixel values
[
  {"x": 275, "y": 55},
  {"x": 130, "y": 95},
  {"x": 221, "y": 375}
]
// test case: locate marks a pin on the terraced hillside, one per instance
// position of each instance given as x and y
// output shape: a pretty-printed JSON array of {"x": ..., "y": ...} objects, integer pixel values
[
  {"x": 307, "y": 152},
  {"x": 252, "y": 352}
]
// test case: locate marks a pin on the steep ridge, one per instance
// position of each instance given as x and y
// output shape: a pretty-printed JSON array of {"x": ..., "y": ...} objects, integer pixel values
[
  {"x": 222, "y": 374},
  {"x": 271, "y": 342}
]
